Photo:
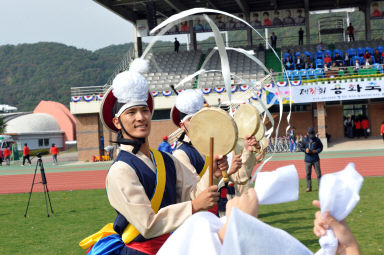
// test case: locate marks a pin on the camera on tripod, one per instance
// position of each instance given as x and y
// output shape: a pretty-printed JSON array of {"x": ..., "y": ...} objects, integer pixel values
[{"x": 38, "y": 155}]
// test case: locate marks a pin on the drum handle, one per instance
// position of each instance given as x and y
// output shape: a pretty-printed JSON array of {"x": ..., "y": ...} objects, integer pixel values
[{"x": 211, "y": 155}]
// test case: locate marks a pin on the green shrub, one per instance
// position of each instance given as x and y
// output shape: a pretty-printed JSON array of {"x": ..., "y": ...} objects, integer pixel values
[{"x": 42, "y": 151}]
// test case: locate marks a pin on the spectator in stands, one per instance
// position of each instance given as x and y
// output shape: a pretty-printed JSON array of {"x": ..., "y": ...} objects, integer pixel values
[
  {"x": 325, "y": 68},
  {"x": 367, "y": 55},
  {"x": 230, "y": 25},
  {"x": 376, "y": 12},
  {"x": 351, "y": 32},
  {"x": 7, "y": 156},
  {"x": 238, "y": 24},
  {"x": 260, "y": 47},
  {"x": 288, "y": 64},
  {"x": 219, "y": 22},
  {"x": 184, "y": 27},
  {"x": 300, "y": 19},
  {"x": 327, "y": 60},
  {"x": 338, "y": 59},
  {"x": 368, "y": 62},
  {"x": 319, "y": 47},
  {"x": 198, "y": 27},
  {"x": 299, "y": 62},
  {"x": 308, "y": 62},
  {"x": 256, "y": 22},
  {"x": 276, "y": 19},
  {"x": 333, "y": 71},
  {"x": 273, "y": 40},
  {"x": 177, "y": 45},
  {"x": 301, "y": 36},
  {"x": 356, "y": 67},
  {"x": 165, "y": 146},
  {"x": 288, "y": 20},
  {"x": 382, "y": 130},
  {"x": 26, "y": 154},
  {"x": 54, "y": 151},
  {"x": 346, "y": 59},
  {"x": 365, "y": 127},
  {"x": 267, "y": 21},
  {"x": 377, "y": 56}
]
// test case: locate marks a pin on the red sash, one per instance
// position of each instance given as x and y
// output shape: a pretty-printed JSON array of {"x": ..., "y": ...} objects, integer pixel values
[{"x": 150, "y": 247}]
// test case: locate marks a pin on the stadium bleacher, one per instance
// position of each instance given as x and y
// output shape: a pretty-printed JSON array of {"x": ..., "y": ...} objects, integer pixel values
[{"x": 170, "y": 68}]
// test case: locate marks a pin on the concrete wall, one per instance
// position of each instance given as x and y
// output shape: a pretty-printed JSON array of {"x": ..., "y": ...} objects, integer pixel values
[
  {"x": 159, "y": 129},
  {"x": 376, "y": 117},
  {"x": 87, "y": 134},
  {"x": 300, "y": 120}
]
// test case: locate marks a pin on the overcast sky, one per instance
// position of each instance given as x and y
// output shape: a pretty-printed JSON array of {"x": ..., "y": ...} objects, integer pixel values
[{"x": 79, "y": 23}]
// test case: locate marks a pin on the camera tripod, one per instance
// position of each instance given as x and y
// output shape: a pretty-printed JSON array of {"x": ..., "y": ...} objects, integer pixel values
[{"x": 39, "y": 163}]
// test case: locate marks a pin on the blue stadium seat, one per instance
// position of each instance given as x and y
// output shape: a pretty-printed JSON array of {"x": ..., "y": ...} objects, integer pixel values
[
  {"x": 319, "y": 63},
  {"x": 337, "y": 51},
  {"x": 298, "y": 53},
  {"x": 289, "y": 74},
  {"x": 351, "y": 52},
  {"x": 329, "y": 53},
  {"x": 319, "y": 55},
  {"x": 295, "y": 75},
  {"x": 360, "y": 52},
  {"x": 354, "y": 60},
  {"x": 311, "y": 74},
  {"x": 285, "y": 55},
  {"x": 370, "y": 50},
  {"x": 378, "y": 67},
  {"x": 380, "y": 49},
  {"x": 362, "y": 60},
  {"x": 303, "y": 74},
  {"x": 319, "y": 73},
  {"x": 307, "y": 53}
]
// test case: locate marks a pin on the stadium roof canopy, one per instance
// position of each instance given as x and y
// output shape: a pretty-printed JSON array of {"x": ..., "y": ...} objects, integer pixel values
[{"x": 133, "y": 10}]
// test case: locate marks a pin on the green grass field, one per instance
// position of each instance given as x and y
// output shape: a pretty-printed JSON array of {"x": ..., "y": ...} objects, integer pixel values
[{"x": 78, "y": 214}]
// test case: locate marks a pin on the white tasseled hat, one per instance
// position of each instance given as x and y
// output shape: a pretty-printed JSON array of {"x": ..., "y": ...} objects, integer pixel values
[
  {"x": 129, "y": 88},
  {"x": 187, "y": 102}
]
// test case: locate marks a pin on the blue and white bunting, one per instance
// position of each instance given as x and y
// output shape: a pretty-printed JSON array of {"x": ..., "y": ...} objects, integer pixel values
[
  {"x": 167, "y": 93},
  {"x": 282, "y": 84},
  {"x": 219, "y": 89},
  {"x": 76, "y": 99},
  {"x": 295, "y": 83},
  {"x": 244, "y": 87},
  {"x": 88, "y": 98},
  {"x": 206, "y": 91}
]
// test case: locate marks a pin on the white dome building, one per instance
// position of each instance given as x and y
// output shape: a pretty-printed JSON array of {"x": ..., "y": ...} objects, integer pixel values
[{"x": 38, "y": 130}]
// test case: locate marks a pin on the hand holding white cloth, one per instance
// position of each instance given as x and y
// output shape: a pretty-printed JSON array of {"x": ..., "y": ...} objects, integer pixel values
[
  {"x": 279, "y": 186},
  {"x": 338, "y": 194}
]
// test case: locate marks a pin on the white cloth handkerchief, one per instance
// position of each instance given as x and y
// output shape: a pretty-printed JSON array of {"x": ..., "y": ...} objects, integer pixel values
[
  {"x": 248, "y": 235},
  {"x": 197, "y": 235},
  {"x": 338, "y": 194},
  {"x": 279, "y": 186}
]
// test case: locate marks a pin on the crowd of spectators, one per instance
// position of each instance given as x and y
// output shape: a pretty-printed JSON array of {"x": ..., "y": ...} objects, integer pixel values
[{"x": 335, "y": 60}]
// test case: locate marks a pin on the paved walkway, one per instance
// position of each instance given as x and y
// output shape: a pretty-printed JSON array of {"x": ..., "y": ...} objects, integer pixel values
[{"x": 367, "y": 155}]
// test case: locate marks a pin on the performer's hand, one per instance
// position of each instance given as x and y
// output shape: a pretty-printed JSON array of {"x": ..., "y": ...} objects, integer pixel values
[
  {"x": 250, "y": 142},
  {"x": 206, "y": 199},
  {"x": 236, "y": 164},
  {"x": 220, "y": 164},
  {"x": 307, "y": 150},
  {"x": 347, "y": 242},
  {"x": 248, "y": 203},
  {"x": 261, "y": 155}
]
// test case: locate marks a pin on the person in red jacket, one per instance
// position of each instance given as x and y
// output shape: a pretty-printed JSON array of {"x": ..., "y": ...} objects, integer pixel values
[
  {"x": 365, "y": 127},
  {"x": 382, "y": 130},
  {"x": 7, "y": 155},
  {"x": 54, "y": 152},
  {"x": 358, "y": 130},
  {"x": 26, "y": 154}
]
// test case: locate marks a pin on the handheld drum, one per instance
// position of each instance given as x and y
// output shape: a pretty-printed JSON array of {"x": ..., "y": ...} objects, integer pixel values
[
  {"x": 248, "y": 121},
  {"x": 212, "y": 122}
]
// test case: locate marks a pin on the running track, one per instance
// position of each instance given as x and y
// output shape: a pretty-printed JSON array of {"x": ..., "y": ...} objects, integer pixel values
[{"x": 71, "y": 179}]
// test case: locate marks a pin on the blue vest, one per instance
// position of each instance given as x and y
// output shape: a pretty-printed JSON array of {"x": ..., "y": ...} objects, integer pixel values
[
  {"x": 194, "y": 156},
  {"x": 148, "y": 179}
]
